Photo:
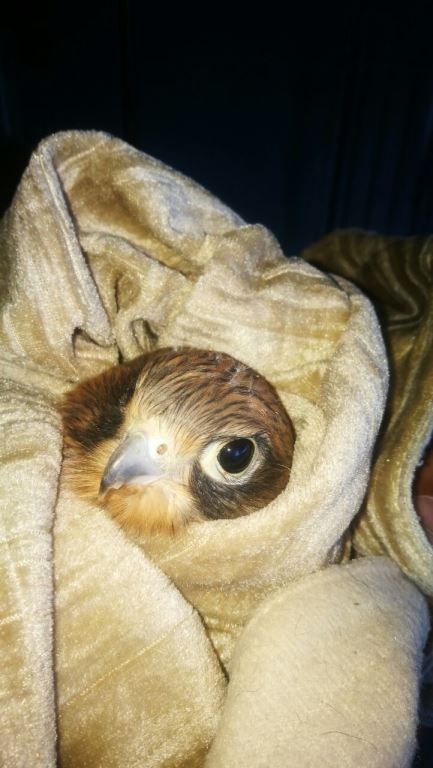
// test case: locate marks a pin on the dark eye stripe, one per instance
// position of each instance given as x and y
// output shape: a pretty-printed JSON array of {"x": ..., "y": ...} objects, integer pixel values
[{"x": 94, "y": 410}]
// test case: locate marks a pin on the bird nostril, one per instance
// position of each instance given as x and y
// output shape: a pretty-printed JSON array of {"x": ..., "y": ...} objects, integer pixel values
[{"x": 161, "y": 448}]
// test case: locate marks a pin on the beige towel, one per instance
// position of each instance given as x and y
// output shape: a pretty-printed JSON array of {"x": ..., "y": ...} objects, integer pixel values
[{"x": 136, "y": 653}]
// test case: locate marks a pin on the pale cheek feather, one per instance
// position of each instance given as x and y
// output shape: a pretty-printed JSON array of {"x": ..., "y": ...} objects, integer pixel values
[
  {"x": 83, "y": 471},
  {"x": 162, "y": 506}
]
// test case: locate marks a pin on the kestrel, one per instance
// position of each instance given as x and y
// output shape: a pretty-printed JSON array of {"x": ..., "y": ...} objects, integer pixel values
[{"x": 175, "y": 436}]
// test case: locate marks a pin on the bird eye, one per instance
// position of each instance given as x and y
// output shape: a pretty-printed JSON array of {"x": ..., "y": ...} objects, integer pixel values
[{"x": 236, "y": 455}]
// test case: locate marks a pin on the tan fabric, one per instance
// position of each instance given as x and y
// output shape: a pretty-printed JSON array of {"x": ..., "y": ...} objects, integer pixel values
[
  {"x": 397, "y": 274},
  {"x": 319, "y": 707},
  {"x": 106, "y": 253}
]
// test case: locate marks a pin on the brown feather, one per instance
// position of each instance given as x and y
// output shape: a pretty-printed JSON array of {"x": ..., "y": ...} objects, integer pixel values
[{"x": 202, "y": 396}]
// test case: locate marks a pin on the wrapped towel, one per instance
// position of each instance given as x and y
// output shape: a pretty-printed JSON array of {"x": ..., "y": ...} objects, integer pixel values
[{"x": 137, "y": 652}]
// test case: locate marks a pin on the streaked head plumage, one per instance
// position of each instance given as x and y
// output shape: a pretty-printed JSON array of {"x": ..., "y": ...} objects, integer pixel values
[{"x": 177, "y": 436}]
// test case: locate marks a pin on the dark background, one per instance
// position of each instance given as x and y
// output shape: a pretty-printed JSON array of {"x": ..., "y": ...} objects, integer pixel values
[{"x": 318, "y": 119}]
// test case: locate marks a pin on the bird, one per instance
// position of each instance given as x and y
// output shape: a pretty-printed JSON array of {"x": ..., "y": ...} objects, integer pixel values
[{"x": 175, "y": 436}]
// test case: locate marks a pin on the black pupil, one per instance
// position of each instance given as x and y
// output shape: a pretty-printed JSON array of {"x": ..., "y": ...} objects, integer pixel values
[{"x": 236, "y": 455}]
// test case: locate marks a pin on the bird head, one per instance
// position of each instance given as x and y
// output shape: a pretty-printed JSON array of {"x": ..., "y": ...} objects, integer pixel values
[{"x": 177, "y": 436}]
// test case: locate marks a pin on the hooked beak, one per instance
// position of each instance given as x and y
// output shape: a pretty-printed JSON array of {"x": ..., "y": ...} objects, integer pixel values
[{"x": 135, "y": 460}]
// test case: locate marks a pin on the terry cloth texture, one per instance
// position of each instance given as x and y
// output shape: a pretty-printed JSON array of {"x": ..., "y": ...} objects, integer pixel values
[{"x": 122, "y": 653}]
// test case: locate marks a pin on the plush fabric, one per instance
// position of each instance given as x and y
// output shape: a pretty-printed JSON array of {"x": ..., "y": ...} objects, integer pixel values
[
  {"x": 305, "y": 654},
  {"x": 142, "y": 653},
  {"x": 397, "y": 274}
]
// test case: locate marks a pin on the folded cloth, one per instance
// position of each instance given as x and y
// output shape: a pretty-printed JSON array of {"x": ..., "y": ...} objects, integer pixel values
[
  {"x": 397, "y": 517},
  {"x": 397, "y": 274},
  {"x": 118, "y": 652}
]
